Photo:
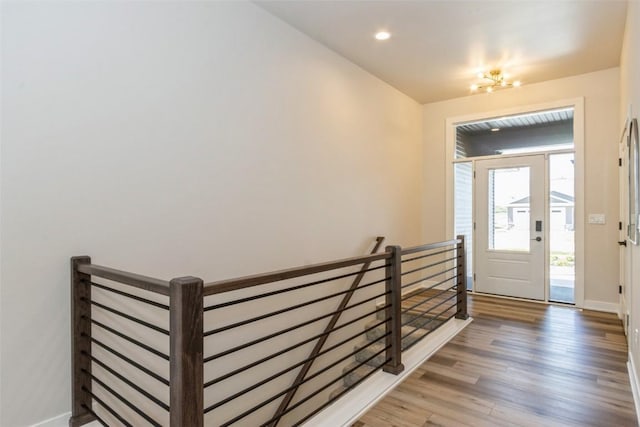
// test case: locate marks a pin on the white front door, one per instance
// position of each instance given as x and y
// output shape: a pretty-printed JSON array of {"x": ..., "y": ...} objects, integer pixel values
[{"x": 510, "y": 229}]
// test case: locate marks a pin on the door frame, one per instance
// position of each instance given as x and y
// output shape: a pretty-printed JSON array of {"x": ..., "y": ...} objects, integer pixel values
[
  {"x": 625, "y": 270},
  {"x": 578, "y": 139}
]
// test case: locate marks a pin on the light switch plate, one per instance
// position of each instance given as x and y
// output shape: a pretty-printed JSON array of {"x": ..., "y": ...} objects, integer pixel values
[{"x": 596, "y": 219}]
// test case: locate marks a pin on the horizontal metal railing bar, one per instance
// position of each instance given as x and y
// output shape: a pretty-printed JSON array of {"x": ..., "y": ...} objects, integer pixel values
[
  {"x": 440, "y": 273},
  {"x": 330, "y": 401},
  {"x": 105, "y": 406},
  {"x": 429, "y": 246},
  {"x": 424, "y": 267},
  {"x": 429, "y": 310},
  {"x": 315, "y": 374},
  {"x": 309, "y": 396},
  {"x": 284, "y": 371},
  {"x": 131, "y": 340},
  {"x": 128, "y": 317},
  {"x": 128, "y": 295},
  {"x": 290, "y": 308},
  {"x": 445, "y": 320},
  {"x": 289, "y": 329},
  {"x": 122, "y": 399},
  {"x": 423, "y": 290},
  {"x": 128, "y": 382},
  {"x": 136, "y": 280},
  {"x": 292, "y": 288},
  {"x": 276, "y": 276},
  {"x": 437, "y": 316},
  {"x": 430, "y": 254},
  {"x": 130, "y": 361},
  {"x": 294, "y": 346}
]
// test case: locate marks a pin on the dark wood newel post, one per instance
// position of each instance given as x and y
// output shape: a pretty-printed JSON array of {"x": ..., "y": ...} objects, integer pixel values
[
  {"x": 186, "y": 336},
  {"x": 461, "y": 309},
  {"x": 80, "y": 343},
  {"x": 393, "y": 299}
]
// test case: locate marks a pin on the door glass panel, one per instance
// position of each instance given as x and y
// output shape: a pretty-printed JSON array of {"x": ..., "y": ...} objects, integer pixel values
[
  {"x": 463, "y": 209},
  {"x": 509, "y": 209},
  {"x": 561, "y": 227}
]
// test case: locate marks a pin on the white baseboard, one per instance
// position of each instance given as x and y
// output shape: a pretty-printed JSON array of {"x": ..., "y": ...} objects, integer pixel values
[
  {"x": 354, "y": 404},
  {"x": 609, "y": 307},
  {"x": 59, "y": 421},
  {"x": 635, "y": 386}
]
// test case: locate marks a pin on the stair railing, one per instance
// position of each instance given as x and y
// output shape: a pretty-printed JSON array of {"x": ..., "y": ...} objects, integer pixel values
[
  {"x": 184, "y": 379},
  {"x": 157, "y": 375},
  {"x": 323, "y": 339}
]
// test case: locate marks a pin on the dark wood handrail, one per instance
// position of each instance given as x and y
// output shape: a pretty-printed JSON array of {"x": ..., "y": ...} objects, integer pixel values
[
  {"x": 286, "y": 401},
  {"x": 413, "y": 250},
  {"x": 136, "y": 280},
  {"x": 275, "y": 276}
]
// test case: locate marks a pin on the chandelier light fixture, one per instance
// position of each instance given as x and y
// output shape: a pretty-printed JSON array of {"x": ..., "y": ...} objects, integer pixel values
[{"x": 494, "y": 80}]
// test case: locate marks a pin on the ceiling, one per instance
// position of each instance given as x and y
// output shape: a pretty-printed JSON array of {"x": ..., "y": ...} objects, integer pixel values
[
  {"x": 519, "y": 121},
  {"x": 438, "y": 47}
]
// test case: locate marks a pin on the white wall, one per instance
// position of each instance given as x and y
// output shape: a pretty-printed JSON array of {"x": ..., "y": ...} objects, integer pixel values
[
  {"x": 179, "y": 138},
  {"x": 630, "y": 95},
  {"x": 601, "y": 98}
]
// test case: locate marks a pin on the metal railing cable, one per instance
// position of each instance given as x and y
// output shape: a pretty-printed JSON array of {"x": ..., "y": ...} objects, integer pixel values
[
  {"x": 123, "y": 399},
  {"x": 424, "y": 279},
  {"x": 130, "y": 383},
  {"x": 290, "y": 289},
  {"x": 286, "y": 310},
  {"x": 131, "y": 340},
  {"x": 274, "y": 397},
  {"x": 299, "y": 344},
  {"x": 129, "y": 317},
  {"x": 428, "y": 255},
  {"x": 426, "y": 267},
  {"x": 108, "y": 408},
  {"x": 130, "y": 361},
  {"x": 283, "y": 331},
  {"x": 329, "y": 384},
  {"x": 131, "y": 296}
]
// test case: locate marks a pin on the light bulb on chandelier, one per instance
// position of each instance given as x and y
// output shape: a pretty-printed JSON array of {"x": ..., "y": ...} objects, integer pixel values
[{"x": 493, "y": 80}]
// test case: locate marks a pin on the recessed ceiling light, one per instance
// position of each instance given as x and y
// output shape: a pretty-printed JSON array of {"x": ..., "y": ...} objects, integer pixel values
[
  {"x": 516, "y": 83},
  {"x": 495, "y": 129},
  {"x": 383, "y": 35},
  {"x": 474, "y": 87}
]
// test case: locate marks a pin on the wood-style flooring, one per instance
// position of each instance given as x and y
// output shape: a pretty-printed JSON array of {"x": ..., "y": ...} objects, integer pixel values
[{"x": 518, "y": 364}]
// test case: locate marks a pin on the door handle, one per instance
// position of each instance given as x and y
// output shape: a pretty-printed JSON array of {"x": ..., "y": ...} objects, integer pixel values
[
  {"x": 538, "y": 239},
  {"x": 622, "y": 243}
]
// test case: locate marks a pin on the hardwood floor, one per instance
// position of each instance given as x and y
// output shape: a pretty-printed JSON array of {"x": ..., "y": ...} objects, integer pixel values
[{"x": 518, "y": 364}]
